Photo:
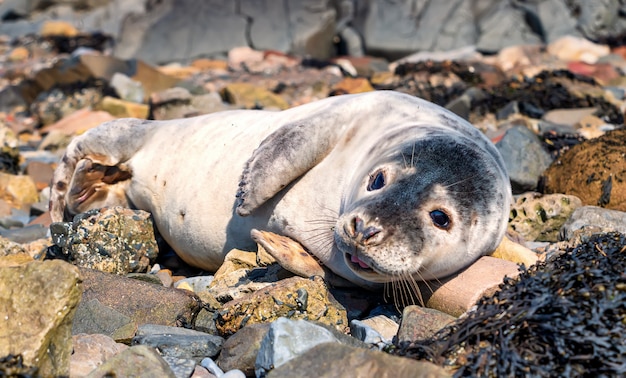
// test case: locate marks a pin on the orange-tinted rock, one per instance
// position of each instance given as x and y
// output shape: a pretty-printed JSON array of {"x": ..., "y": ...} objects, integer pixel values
[{"x": 353, "y": 85}]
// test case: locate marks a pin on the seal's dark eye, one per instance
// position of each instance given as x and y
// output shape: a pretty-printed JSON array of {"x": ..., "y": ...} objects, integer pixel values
[
  {"x": 440, "y": 219},
  {"x": 377, "y": 181}
]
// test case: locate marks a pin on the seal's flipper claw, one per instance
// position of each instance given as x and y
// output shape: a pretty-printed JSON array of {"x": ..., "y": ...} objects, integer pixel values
[{"x": 292, "y": 256}]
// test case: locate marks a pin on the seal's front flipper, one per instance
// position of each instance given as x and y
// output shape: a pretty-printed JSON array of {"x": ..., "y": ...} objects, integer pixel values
[
  {"x": 282, "y": 157},
  {"x": 292, "y": 256}
]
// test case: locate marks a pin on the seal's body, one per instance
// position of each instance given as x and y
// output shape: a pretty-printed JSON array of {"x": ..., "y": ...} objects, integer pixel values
[{"x": 379, "y": 187}]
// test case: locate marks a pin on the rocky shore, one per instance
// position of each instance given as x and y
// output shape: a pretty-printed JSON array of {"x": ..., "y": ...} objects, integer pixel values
[{"x": 104, "y": 295}]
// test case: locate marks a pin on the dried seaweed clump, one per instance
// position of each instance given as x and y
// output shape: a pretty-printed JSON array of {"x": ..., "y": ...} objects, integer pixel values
[{"x": 566, "y": 317}]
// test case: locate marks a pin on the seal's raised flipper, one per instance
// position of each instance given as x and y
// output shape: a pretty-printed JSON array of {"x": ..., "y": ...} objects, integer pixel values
[
  {"x": 292, "y": 256},
  {"x": 92, "y": 173},
  {"x": 282, "y": 157}
]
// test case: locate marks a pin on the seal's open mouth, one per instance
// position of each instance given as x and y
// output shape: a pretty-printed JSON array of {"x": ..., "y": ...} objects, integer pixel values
[{"x": 358, "y": 264}]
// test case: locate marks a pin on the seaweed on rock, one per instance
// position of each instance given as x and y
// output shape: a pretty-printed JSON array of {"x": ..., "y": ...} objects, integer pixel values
[{"x": 565, "y": 317}]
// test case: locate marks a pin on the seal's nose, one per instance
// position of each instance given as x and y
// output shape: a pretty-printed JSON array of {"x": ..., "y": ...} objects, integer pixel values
[{"x": 362, "y": 233}]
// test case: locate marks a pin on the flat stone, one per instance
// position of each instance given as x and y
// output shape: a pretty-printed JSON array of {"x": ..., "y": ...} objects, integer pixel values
[
  {"x": 58, "y": 28},
  {"x": 38, "y": 301},
  {"x": 240, "y": 350},
  {"x": 595, "y": 220},
  {"x": 78, "y": 122},
  {"x": 123, "y": 109},
  {"x": 252, "y": 97},
  {"x": 457, "y": 294},
  {"x": 386, "y": 327},
  {"x": 136, "y": 361},
  {"x": 142, "y": 302},
  {"x": 337, "y": 360},
  {"x": 188, "y": 344},
  {"x": 90, "y": 351},
  {"x": 353, "y": 85},
  {"x": 420, "y": 323}
]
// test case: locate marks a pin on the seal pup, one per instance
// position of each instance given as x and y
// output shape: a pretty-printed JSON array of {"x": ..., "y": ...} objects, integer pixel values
[{"x": 379, "y": 187}]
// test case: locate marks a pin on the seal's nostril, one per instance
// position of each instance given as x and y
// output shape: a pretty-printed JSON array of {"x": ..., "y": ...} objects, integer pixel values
[{"x": 361, "y": 232}]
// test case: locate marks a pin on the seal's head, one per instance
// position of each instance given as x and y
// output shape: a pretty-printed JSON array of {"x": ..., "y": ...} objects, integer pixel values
[{"x": 425, "y": 210}]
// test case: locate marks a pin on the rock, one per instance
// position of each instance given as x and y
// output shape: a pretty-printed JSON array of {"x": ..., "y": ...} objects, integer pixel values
[
  {"x": 78, "y": 122},
  {"x": 352, "y": 85},
  {"x": 178, "y": 102},
  {"x": 38, "y": 301},
  {"x": 336, "y": 360},
  {"x": 504, "y": 25},
  {"x": 151, "y": 79},
  {"x": 140, "y": 36},
  {"x": 94, "y": 317},
  {"x": 240, "y": 274},
  {"x": 570, "y": 48},
  {"x": 252, "y": 97},
  {"x": 569, "y": 117},
  {"x": 26, "y": 234},
  {"x": 302, "y": 28},
  {"x": 294, "y": 298},
  {"x": 9, "y": 247},
  {"x": 384, "y": 330},
  {"x": 556, "y": 20},
  {"x": 19, "y": 54},
  {"x": 457, "y": 294},
  {"x": 136, "y": 361},
  {"x": 123, "y": 109},
  {"x": 287, "y": 339},
  {"x": 15, "y": 259},
  {"x": 59, "y": 102},
  {"x": 90, "y": 351},
  {"x": 181, "y": 367},
  {"x": 594, "y": 171},
  {"x": 18, "y": 191},
  {"x": 539, "y": 217},
  {"x": 594, "y": 219},
  {"x": 127, "y": 88},
  {"x": 390, "y": 29},
  {"x": 204, "y": 64},
  {"x": 205, "y": 320},
  {"x": 419, "y": 323},
  {"x": 137, "y": 302},
  {"x": 40, "y": 173},
  {"x": 240, "y": 350},
  {"x": 58, "y": 28},
  {"x": 198, "y": 283},
  {"x": 524, "y": 157},
  {"x": 601, "y": 21},
  {"x": 114, "y": 240},
  {"x": 591, "y": 127},
  {"x": 179, "y": 342}
]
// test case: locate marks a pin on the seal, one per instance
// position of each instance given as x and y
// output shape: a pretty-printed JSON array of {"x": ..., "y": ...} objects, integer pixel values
[{"x": 380, "y": 187}]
